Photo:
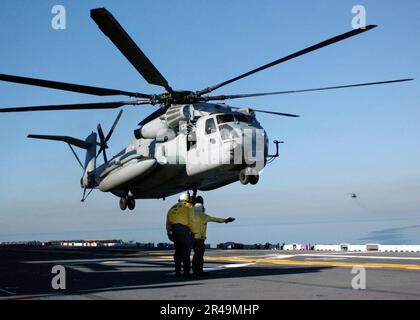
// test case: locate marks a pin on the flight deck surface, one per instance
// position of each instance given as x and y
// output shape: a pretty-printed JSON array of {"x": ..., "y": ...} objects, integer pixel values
[{"x": 26, "y": 273}]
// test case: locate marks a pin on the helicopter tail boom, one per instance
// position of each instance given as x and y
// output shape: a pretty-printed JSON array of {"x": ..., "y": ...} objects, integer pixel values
[
  {"x": 89, "y": 144},
  {"x": 88, "y": 179}
]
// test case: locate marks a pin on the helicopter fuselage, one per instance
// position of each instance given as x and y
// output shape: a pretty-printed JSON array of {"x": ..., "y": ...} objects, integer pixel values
[{"x": 191, "y": 147}]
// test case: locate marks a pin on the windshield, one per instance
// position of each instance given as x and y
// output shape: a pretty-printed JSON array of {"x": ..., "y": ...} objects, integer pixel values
[
  {"x": 242, "y": 118},
  {"x": 223, "y": 118},
  {"x": 227, "y": 132},
  {"x": 210, "y": 126}
]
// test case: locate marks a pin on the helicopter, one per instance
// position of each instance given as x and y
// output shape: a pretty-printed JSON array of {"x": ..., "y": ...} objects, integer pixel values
[{"x": 192, "y": 142}]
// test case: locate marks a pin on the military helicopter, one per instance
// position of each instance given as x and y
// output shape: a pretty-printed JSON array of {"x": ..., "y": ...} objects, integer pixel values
[{"x": 170, "y": 150}]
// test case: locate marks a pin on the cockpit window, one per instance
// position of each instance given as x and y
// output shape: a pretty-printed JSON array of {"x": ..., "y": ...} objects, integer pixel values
[
  {"x": 210, "y": 126},
  {"x": 242, "y": 118},
  {"x": 227, "y": 132},
  {"x": 223, "y": 118},
  {"x": 236, "y": 117}
]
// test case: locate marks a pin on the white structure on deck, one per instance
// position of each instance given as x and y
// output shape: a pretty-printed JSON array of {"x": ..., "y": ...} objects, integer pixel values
[
  {"x": 401, "y": 248},
  {"x": 91, "y": 243},
  {"x": 296, "y": 247},
  {"x": 346, "y": 247},
  {"x": 369, "y": 247}
]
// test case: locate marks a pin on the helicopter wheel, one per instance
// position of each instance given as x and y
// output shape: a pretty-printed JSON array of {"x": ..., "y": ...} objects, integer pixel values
[
  {"x": 243, "y": 177},
  {"x": 254, "y": 179},
  {"x": 131, "y": 203},
  {"x": 123, "y": 203}
]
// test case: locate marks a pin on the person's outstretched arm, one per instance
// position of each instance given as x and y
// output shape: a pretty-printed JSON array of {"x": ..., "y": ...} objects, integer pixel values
[{"x": 219, "y": 220}]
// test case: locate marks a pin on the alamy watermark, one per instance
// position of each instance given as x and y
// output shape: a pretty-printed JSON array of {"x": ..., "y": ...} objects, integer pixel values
[
  {"x": 225, "y": 145},
  {"x": 58, "y": 282},
  {"x": 58, "y": 21},
  {"x": 359, "y": 20},
  {"x": 359, "y": 280}
]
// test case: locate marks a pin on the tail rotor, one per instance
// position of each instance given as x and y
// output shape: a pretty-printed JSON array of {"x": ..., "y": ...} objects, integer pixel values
[{"x": 103, "y": 141}]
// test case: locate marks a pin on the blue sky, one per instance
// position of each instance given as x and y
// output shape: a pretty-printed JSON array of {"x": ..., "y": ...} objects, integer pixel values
[{"x": 363, "y": 140}]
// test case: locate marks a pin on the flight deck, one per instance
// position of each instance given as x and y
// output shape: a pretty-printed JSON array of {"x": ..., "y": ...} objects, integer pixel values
[{"x": 26, "y": 273}]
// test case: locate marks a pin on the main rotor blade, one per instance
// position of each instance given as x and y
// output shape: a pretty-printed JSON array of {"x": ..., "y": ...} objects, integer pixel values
[
  {"x": 278, "y": 113},
  {"x": 159, "y": 112},
  {"x": 116, "y": 33},
  {"x": 272, "y": 112},
  {"x": 250, "y": 95},
  {"x": 290, "y": 57},
  {"x": 113, "y": 126},
  {"x": 82, "y": 106},
  {"x": 71, "y": 87}
]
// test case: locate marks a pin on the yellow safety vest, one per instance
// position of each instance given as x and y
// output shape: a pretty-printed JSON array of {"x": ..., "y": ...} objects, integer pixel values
[
  {"x": 181, "y": 213},
  {"x": 199, "y": 227}
]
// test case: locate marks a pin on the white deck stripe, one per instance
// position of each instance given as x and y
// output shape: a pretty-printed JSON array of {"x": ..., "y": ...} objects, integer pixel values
[
  {"x": 357, "y": 257},
  {"x": 8, "y": 292},
  {"x": 222, "y": 267}
]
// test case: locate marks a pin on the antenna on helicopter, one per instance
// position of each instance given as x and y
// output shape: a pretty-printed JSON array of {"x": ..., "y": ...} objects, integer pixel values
[{"x": 276, "y": 155}]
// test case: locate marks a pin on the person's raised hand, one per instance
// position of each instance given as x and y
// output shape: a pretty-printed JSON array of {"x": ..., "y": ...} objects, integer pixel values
[{"x": 230, "y": 219}]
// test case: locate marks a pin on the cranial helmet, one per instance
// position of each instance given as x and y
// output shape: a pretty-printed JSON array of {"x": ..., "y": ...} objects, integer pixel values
[
  {"x": 199, "y": 199},
  {"x": 185, "y": 197},
  {"x": 198, "y": 209}
]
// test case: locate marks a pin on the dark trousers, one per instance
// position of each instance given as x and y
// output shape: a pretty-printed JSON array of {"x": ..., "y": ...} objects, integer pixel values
[
  {"x": 198, "y": 259},
  {"x": 182, "y": 242}
]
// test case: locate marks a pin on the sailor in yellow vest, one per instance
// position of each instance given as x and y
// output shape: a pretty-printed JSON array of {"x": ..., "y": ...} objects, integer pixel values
[
  {"x": 179, "y": 229},
  {"x": 199, "y": 229}
]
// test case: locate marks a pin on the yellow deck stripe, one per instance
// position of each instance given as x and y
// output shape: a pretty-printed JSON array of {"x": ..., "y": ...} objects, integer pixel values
[
  {"x": 319, "y": 263},
  {"x": 312, "y": 263}
]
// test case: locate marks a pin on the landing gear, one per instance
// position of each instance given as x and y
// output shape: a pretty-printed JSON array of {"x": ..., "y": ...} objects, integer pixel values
[
  {"x": 254, "y": 179},
  {"x": 127, "y": 202},
  {"x": 194, "y": 195},
  {"x": 123, "y": 203},
  {"x": 245, "y": 177},
  {"x": 131, "y": 203}
]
